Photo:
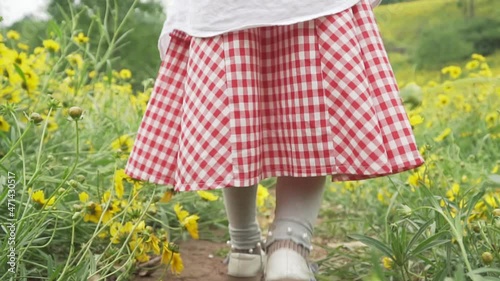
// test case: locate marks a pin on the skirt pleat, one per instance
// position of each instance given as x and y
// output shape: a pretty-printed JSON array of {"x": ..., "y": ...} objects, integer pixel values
[{"x": 309, "y": 99}]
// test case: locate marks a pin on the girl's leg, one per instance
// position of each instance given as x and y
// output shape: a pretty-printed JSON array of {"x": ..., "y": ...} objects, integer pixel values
[
  {"x": 240, "y": 203},
  {"x": 246, "y": 259},
  {"x": 298, "y": 201}
]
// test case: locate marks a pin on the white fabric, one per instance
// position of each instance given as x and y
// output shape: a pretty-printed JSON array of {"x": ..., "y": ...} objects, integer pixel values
[{"x": 206, "y": 18}]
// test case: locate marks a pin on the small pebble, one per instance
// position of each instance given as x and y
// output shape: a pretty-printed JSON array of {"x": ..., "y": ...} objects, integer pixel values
[{"x": 210, "y": 256}]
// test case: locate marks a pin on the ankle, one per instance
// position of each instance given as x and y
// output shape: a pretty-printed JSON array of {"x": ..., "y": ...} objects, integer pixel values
[
  {"x": 288, "y": 244},
  {"x": 257, "y": 250}
]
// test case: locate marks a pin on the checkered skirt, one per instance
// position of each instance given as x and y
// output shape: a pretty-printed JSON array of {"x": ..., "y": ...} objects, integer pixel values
[{"x": 313, "y": 98}]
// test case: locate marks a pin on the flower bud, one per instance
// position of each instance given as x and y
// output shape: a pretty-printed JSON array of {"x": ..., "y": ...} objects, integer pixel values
[
  {"x": 476, "y": 228},
  {"x": 487, "y": 257},
  {"x": 75, "y": 112},
  {"x": 76, "y": 215},
  {"x": 173, "y": 247},
  {"x": 496, "y": 212},
  {"x": 36, "y": 118},
  {"x": 77, "y": 207},
  {"x": 73, "y": 183},
  {"x": 405, "y": 211},
  {"x": 80, "y": 178},
  {"x": 61, "y": 190}
]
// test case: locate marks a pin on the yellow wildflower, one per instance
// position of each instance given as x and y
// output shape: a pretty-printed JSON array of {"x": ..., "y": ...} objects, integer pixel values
[
  {"x": 119, "y": 177},
  {"x": 113, "y": 206},
  {"x": 93, "y": 212},
  {"x": 453, "y": 192},
  {"x": 83, "y": 196},
  {"x": 152, "y": 243},
  {"x": 81, "y": 38},
  {"x": 172, "y": 258},
  {"x": 4, "y": 126},
  {"x": 125, "y": 74},
  {"x": 491, "y": 119},
  {"x": 453, "y": 71},
  {"x": 495, "y": 169},
  {"x": 23, "y": 46},
  {"x": 39, "y": 197},
  {"x": 14, "y": 35},
  {"x": 478, "y": 57},
  {"x": 443, "y": 100},
  {"x": 187, "y": 221},
  {"x": 208, "y": 196},
  {"x": 443, "y": 135},
  {"x": 416, "y": 120},
  {"x": 123, "y": 144},
  {"x": 491, "y": 200},
  {"x": 473, "y": 64},
  {"x": 51, "y": 45},
  {"x": 262, "y": 196},
  {"x": 387, "y": 262},
  {"x": 167, "y": 196},
  {"x": 75, "y": 60}
]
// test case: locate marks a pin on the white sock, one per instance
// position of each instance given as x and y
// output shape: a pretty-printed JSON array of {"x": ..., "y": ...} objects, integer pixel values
[{"x": 240, "y": 203}]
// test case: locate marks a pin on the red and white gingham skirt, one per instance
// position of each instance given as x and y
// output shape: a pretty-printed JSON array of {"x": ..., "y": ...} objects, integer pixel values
[{"x": 313, "y": 98}]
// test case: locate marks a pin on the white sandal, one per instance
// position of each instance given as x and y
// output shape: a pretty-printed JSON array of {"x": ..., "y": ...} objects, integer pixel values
[
  {"x": 287, "y": 262},
  {"x": 246, "y": 263}
]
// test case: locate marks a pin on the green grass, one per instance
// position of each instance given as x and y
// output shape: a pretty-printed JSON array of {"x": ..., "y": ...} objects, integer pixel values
[{"x": 402, "y": 24}]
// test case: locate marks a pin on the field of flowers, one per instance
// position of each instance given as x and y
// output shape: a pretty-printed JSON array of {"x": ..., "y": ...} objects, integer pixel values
[{"x": 68, "y": 211}]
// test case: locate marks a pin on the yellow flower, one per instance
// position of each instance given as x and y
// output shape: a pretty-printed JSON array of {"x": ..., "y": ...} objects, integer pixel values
[
  {"x": 491, "y": 200},
  {"x": 51, "y": 45},
  {"x": 93, "y": 212},
  {"x": 473, "y": 64},
  {"x": 262, "y": 195},
  {"x": 83, "y": 196},
  {"x": 10, "y": 94},
  {"x": 491, "y": 118},
  {"x": 416, "y": 120},
  {"x": 125, "y": 74},
  {"x": 453, "y": 71},
  {"x": 70, "y": 72},
  {"x": 453, "y": 192},
  {"x": 173, "y": 259},
  {"x": 187, "y": 221},
  {"x": 478, "y": 57},
  {"x": 123, "y": 144},
  {"x": 113, "y": 206},
  {"x": 23, "y": 46},
  {"x": 152, "y": 243},
  {"x": 75, "y": 60},
  {"x": 14, "y": 35},
  {"x": 4, "y": 126},
  {"x": 495, "y": 169},
  {"x": 39, "y": 197},
  {"x": 119, "y": 177},
  {"x": 387, "y": 262},
  {"x": 443, "y": 135},
  {"x": 81, "y": 38},
  {"x": 443, "y": 100},
  {"x": 208, "y": 196},
  {"x": 167, "y": 196},
  {"x": 92, "y": 74}
]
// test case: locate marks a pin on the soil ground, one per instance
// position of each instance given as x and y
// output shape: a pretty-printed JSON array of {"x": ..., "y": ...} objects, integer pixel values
[{"x": 201, "y": 263}]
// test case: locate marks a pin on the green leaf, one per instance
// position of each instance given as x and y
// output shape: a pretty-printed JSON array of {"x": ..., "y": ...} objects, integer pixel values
[
  {"x": 419, "y": 233},
  {"x": 372, "y": 242},
  {"x": 428, "y": 243}
]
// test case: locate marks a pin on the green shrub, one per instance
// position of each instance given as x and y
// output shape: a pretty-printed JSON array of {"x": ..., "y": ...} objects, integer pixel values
[
  {"x": 483, "y": 33},
  {"x": 440, "y": 46}
]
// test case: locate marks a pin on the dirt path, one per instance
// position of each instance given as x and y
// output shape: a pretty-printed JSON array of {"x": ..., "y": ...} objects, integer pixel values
[{"x": 200, "y": 264}]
